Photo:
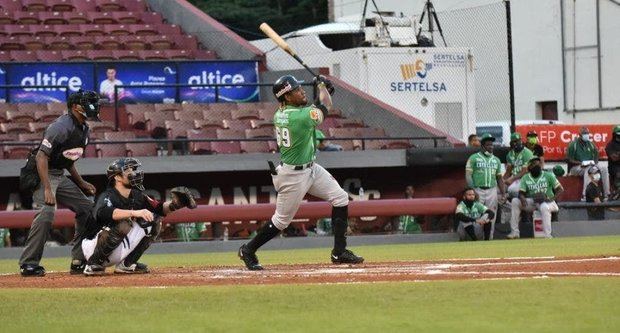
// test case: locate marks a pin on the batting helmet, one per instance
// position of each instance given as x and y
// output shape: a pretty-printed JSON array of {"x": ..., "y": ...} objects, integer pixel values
[
  {"x": 88, "y": 100},
  {"x": 121, "y": 165},
  {"x": 284, "y": 85}
]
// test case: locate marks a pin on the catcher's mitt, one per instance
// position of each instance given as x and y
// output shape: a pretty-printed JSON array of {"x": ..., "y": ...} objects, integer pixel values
[
  {"x": 182, "y": 197},
  {"x": 539, "y": 197}
]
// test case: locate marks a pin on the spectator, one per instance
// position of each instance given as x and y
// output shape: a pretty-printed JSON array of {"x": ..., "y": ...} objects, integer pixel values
[
  {"x": 5, "y": 237},
  {"x": 594, "y": 194},
  {"x": 473, "y": 141},
  {"x": 471, "y": 216},
  {"x": 324, "y": 145},
  {"x": 483, "y": 174},
  {"x": 538, "y": 190},
  {"x": 106, "y": 87},
  {"x": 582, "y": 154},
  {"x": 516, "y": 162},
  {"x": 613, "y": 154},
  {"x": 531, "y": 143},
  {"x": 408, "y": 224},
  {"x": 187, "y": 232}
]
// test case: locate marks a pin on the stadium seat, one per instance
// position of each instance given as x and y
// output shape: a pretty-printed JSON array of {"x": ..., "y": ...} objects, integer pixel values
[
  {"x": 34, "y": 5},
  {"x": 14, "y": 128},
  {"x": 178, "y": 128},
  {"x": 151, "y": 18},
  {"x": 134, "y": 42},
  {"x": 34, "y": 137},
  {"x": 60, "y": 5},
  {"x": 147, "y": 30},
  {"x": 347, "y": 122},
  {"x": 76, "y": 17},
  {"x": 203, "y": 133},
  {"x": 239, "y": 125},
  {"x": 111, "y": 150},
  {"x": 135, "y": 114},
  {"x": 5, "y": 56},
  {"x": 223, "y": 106},
  {"x": 119, "y": 136},
  {"x": 134, "y": 5},
  {"x": 74, "y": 55},
  {"x": 157, "y": 119},
  {"x": 334, "y": 113},
  {"x": 101, "y": 126},
  {"x": 26, "y": 17},
  {"x": 109, "y": 5},
  {"x": 101, "y": 18},
  {"x": 246, "y": 113},
  {"x": 3, "y": 116},
  {"x": 17, "y": 152},
  {"x": 227, "y": 147},
  {"x": 85, "y": 6},
  {"x": 127, "y": 17},
  {"x": 17, "y": 30},
  {"x": 38, "y": 127},
  {"x": 49, "y": 56},
  {"x": 265, "y": 132},
  {"x": 25, "y": 56},
  {"x": 166, "y": 107},
  {"x": 160, "y": 42},
  {"x": 126, "y": 55},
  {"x": 6, "y": 18},
  {"x": 188, "y": 115},
  {"x": 12, "y": 43},
  {"x": 117, "y": 29},
  {"x": 20, "y": 116},
  {"x": 215, "y": 114},
  {"x": 261, "y": 123},
  {"x": 108, "y": 43},
  {"x": 53, "y": 18},
  {"x": 69, "y": 30},
  {"x": 186, "y": 42},
  {"x": 255, "y": 147},
  {"x": 327, "y": 124},
  {"x": 205, "y": 54},
  {"x": 141, "y": 149},
  {"x": 9, "y": 137},
  {"x": 267, "y": 112},
  {"x": 83, "y": 42},
  {"x": 57, "y": 107},
  {"x": 11, "y": 5},
  {"x": 194, "y": 107},
  {"x": 153, "y": 54},
  {"x": 4, "y": 107},
  {"x": 179, "y": 54},
  {"x": 91, "y": 30},
  {"x": 208, "y": 123},
  {"x": 59, "y": 42},
  {"x": 345, "y": 133},
  {"x": 33, "y": 43},
  {"x": 100, "y": 55}
]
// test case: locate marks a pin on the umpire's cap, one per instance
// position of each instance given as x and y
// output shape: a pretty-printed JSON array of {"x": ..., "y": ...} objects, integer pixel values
[
  {"x": 486, "y": 137},
  {"x": 284, "y": 85}
]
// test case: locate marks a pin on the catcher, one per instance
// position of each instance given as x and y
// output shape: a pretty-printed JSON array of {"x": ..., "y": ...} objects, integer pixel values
[
  {"x": 125, "y": 221},
  {"x": 538, "y": 190}
]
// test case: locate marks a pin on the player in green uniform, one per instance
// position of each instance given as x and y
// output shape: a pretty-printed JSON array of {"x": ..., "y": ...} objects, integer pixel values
[
  {"x": 538, "y": 191},
  {"x": 5, "y": 237},
  {"x": 297, "y": 174},
  {"x": 483, "y": 173},
  {"x": 516, "y": 162},
  {"x": 471, "y": 215}
]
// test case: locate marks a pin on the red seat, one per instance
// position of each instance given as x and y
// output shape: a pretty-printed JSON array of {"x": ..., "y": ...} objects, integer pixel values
[
  {"x": 47, "y": 116},
  {"x": 46, "y": 30},
  {"x": 17, "y": 30},
  {"x": 33, "y": 137},
  {"x": 266, "y": 132},
  {"x": 145, "y": 30},
  {"x": 255, "y": 147},
  {"x": 108, "y": 42},
  {"x": 60, "y": 5},
  {"x": 216, "y": 115},
  {"x": 100, "y": 55},
  {"x": 223, "y": 106},
  {"x": 4, "y": 107},
  {"x": 327, "y": 124},
  {"x": 117, "y": 29},
  {"x": 201, "y": 147},
  {"x": 134, "y": 42},
  {"x": 246, "y": 113},
  {"x": 101, "y": 126},
  {"x": 11, "y": 5},
  {"x": 230, "y": 134},
  {"x": 111, "y": 150},
  {"x": 208, "y": 123},
  {"x": 26, "y": 17},
  {"x": 2, "y": 116},
  {"x": 91, "y": 30},
  {"x": 59, "y": 43},
  {"x": 153, "y": 54},
  {"x": 135, "y": 114},
  {"x": 74, "y": 55},
  {"x": 49, "y": 56},
  {"x": 346, "y": 122},
  {"x": 227, "y": 147},
  {"x": 57, "y": 107},
  {"x": 205, "y": 54},
  {"x": 14, "y": 128},
  {"x": 345, "y": 133},
  {"x": 5, "y": 56},
  {"x": 17, "y": 152},
  {"x": 83, "y": 42},
  {"x": 166, "y": 107},
  {"x": 151, "y": 18},
  {"x": 31, "y": 108},
  {"x": 127, "y": 17},
  {"x": 101, "y": 18},
  {"x": 69, "y": 30},
  {"x": 267, "y": 113},
  {"x": 237, "y": 124},
  {"x": 77, "y": 17},
  {"x": 34, "y": 5},
  {"x": 119, "y": 136},
  {"x": 12, "y": 43},
  {"x": 186, "y": 42},
  {"x": 6, "y": 18},
  {"x": 20, "y": 116},
  {"x": 188, "y": 115},
  {"x": 160, "y": 42},
  {"x": 334, "y": 113},
  {"x": 126, "y": 55},
  {"x": 110, "y": 5},
  {"x": 141, "y": 149},
  {"x": 178, "y": 128},
  {"x": 261, "y": 123},
  {"x": 194, "y": 107},
  {"x": 157, "y": 119},
  {"x": 9, "y": 137},
  {"x": 179, "y": 54},
  {"x": 53, "y": 18},
  {"x": 85, "y": 6},
  {"x": 24, "y": 56},
  {"x": 33, "y": 43},
  {"x": 135, "y": 5}
]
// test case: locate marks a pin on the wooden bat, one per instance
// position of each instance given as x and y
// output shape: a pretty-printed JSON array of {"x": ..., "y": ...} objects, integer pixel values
[{"x": 269, "y": 32}]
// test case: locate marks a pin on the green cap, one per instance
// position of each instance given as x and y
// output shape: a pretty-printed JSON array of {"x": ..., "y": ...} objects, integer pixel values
[
  {"x": 515, "y": 136},
  {"x": 485, "y": 137},
  {"x": 617, "y": 129},
  {"x": 558, "y": 171}
]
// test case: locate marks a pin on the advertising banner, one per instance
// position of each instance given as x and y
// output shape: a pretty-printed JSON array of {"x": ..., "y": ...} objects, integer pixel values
[
  {"x": 555, "y": 138},
  {"x": 219, "y": 73},
  {"x": 74, "y": 76},
  {"x": 137, "y": 74}
]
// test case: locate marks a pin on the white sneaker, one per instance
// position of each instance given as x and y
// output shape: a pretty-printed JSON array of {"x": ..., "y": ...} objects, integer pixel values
[{"x": 513, "y": 235}]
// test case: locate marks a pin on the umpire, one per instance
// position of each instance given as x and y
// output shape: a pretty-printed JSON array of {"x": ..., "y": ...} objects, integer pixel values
[
  {"x": 63, "y": 144},
  {"x": 483, "y": 173}
]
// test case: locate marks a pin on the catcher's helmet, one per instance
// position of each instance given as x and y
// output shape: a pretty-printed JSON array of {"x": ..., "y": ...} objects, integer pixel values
[
  {"x": 127, "y": 163},
  {"x": 284, "y": 85},
  {"x": 88, "y": 100}
]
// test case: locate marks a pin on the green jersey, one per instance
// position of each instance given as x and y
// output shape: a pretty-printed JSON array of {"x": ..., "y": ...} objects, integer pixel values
[
  {"x": 484, "y": 169},
  {"x": 582, "y": 151},
  {"x": 295, "y": 133},
  {"x": 519, "y": 160},
  {"x": 475, "y": 212},
  {"x": 545, "y": 183},
  {"x": 4, "y": 233},
  {"x": 407, "y": 224},
  {"x": 187, "y": 232}
]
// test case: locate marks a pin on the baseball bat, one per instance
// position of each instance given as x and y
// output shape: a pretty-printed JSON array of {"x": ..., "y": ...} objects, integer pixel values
[{"x": 269, "y": 32}]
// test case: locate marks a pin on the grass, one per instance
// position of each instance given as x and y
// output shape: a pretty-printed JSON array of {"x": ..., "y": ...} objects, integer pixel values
[{"x": 528, "y": 305}]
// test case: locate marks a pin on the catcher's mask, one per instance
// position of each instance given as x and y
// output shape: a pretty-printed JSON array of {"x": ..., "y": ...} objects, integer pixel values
[
  {"x": 88, "y": 100},
  {"x": 284, "y": 85},
  {"x": 130, "y": 166}
]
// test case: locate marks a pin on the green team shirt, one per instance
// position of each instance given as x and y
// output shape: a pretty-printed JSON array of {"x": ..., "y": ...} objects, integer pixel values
[
  {"x": 475, "y": 212},
  {"x": 295, "y": 133},
  {"x": 582, "y": 151},
  {"x": 3, "y": 234},
  {"x": 187, "y": 232},
  {"x": 407, "y": 224},
  {"x": 485, "y": 169},
  {"x": 545, "y": 183},
  {"x": 519, "y": 160}
]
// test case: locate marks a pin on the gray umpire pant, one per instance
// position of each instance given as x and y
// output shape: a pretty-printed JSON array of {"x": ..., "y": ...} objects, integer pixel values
[{"x": 67, "y": 194}]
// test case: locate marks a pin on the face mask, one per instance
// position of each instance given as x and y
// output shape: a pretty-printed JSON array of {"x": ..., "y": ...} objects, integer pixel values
[
  {"x": 617, "y": 136},
  {"x": 585, "y": 137},
  {"x": 532, "y": 140},
  {"x": 518, "y": 147},
  {"x": 536, "y": 170},
  {"x": 596, "y": 177},
  {"x": 468, "y": 203}
]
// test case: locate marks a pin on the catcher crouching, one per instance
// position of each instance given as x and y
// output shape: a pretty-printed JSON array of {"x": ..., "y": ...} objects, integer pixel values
[{"x": 125, "y": 221}]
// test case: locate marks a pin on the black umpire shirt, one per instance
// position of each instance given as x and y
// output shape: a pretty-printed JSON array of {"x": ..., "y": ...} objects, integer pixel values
[
  {"x": 64, "y": 141},
  {"x": 110, "y": 199}
]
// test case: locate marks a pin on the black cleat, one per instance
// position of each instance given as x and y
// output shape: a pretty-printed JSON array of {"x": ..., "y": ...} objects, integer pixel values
[
  {"x": 249, "y": 259},
  {"x": 77, "y": 267},
  {"x": 31, "y": 270},
  {"x": 137, "y": 268},
  {"x": 94, "y": 269},
  {"x": 346, "y": 257}
]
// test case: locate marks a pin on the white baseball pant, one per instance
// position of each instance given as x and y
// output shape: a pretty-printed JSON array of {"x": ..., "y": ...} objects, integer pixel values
[
  {"x": 546, "y": 208},
  {"x": 119, "y": 254}
]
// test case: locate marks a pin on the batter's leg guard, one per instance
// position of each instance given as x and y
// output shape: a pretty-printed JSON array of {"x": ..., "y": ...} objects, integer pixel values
[
  {"x": 471, "y": 232},
  {"x": 264, "y": 234},
  {"x": 340, "y": 223},
  {"x": 145, "y": 243},
  {"x": 108, "y": 240}
]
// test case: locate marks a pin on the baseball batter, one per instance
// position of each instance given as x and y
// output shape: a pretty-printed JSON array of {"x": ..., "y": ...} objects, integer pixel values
[{"x": 297, "y": 173}]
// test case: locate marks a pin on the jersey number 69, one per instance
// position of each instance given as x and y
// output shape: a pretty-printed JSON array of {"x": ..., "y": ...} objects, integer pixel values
[{"x": 283, "y": 137}]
